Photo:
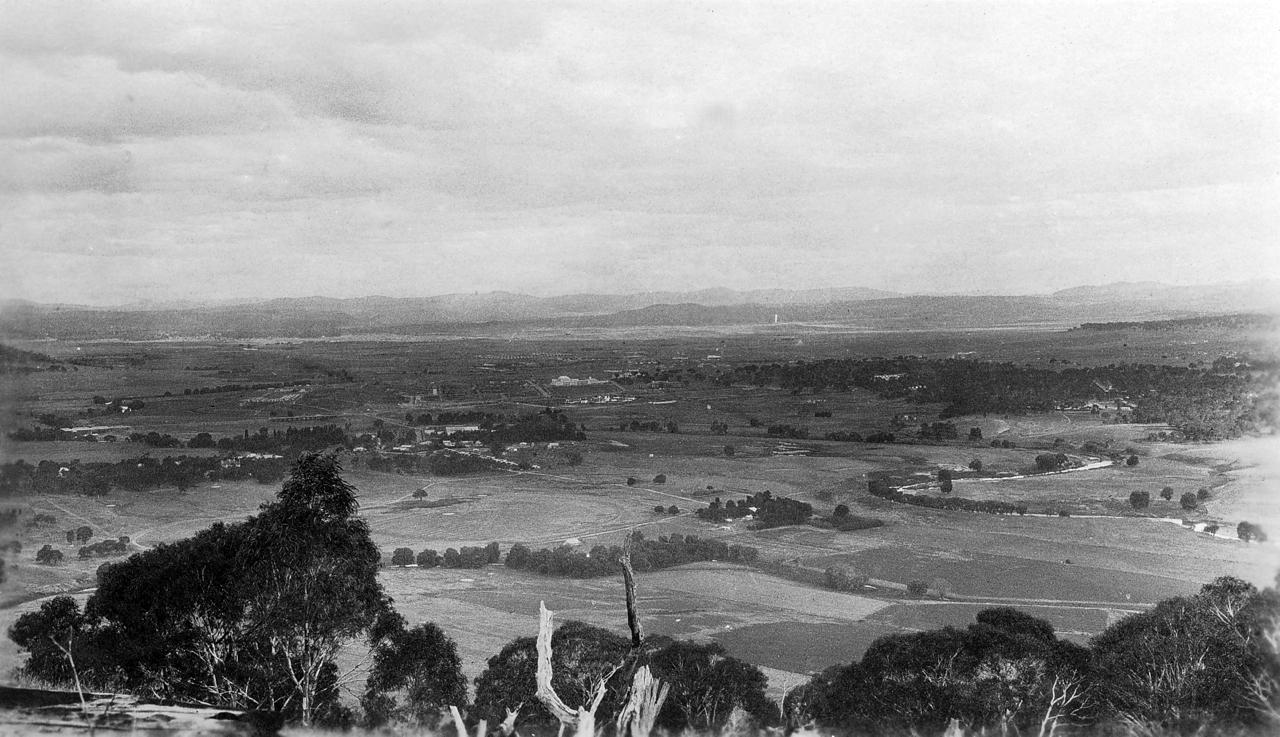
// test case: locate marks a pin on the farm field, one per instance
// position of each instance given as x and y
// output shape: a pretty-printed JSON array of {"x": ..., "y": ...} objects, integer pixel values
[
  {"x": 718, "y": 601},
  {"x": 774, "y": 615},
  {"x": 1096, "y": 491}
]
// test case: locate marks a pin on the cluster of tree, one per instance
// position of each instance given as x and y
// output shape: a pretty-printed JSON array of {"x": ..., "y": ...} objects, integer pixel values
[
  {"x": 1250, "y": 532},
  {"x": 106, "y": 548},
  {"x": 132, "y": 474},
  {"x": 55, "y": 421},
  {"x": 769, "y": 510},
  {"x": 939, "y": 431},
  {"x": 80, "y": 534},
  {"x": 15, "y": 360},
  {"x": 10, "y": 517},
  {"x": 1229, "y": 322},
  {"x": 155, "y": 439},
  {"x": 878, "y": 486},
  {"x": 468, "y": 556},
  {"x": 1192, "y": 665},
  {"x": 541, "y": 427},
  {"x": 114, "y": 405},
  {"x": 253, "y": 616},
  {"x": 706, "y": 686},
  {"x": 460, "y": 417},
  {"x": 28, "y": 434},
  {"x": 289, "y": 442},
  {"x": 250, "y": 615},
  {"x": 841, "y": 519},
  {"x": 49, "y": 555},
  {"x": 453, "y": 463},
  {"x": 839, "y": 578},
  {"x": 1202, "y": 403},
  {"x": 1049, "y": 462},
  {"x": 646, "y": 555},
  {"x": 787, "y": 431}
]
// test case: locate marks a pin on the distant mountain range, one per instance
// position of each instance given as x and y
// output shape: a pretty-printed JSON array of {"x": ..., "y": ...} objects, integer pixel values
[{"x": 502, "y": 311}]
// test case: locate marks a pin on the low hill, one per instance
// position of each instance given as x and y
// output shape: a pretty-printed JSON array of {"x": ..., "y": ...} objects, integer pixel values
[{"x": 313, "y": 317}]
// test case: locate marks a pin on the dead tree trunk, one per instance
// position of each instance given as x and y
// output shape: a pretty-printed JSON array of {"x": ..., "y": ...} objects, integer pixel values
[
  {"x": 583, "y": 719},
  {"x": 629, "y": 582}
]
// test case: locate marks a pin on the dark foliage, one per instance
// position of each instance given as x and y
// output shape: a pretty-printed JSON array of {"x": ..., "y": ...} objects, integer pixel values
[
  {"x": 416, "y": 674},
  {"x": 880, "y": 487}
]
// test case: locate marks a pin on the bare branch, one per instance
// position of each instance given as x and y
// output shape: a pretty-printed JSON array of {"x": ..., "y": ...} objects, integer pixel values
[
  {"x": 75, "y": 672},
  {"x": 545, "y": 691},
  {"x": 645, "y": 702}
]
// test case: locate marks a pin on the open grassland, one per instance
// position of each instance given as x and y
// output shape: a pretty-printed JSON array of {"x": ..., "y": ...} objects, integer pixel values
[
  {"x": 1094, "y": 491},
  {"x": 1117, "y": 563},
  {"x": 486, "y": 608},
  {"x": 803, "y": 647}
]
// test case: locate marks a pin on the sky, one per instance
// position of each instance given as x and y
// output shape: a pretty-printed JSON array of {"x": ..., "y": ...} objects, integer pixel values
[{"x": 154, "y": 151}]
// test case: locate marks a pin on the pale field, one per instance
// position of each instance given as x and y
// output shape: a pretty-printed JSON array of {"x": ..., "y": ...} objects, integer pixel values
[
  {"x": 1095, "y": 491},
  {"x": 486, "y": 608},
  {"x": 1118, "y": 563}
]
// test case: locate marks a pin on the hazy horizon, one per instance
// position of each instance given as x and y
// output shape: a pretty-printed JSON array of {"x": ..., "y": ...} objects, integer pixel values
[{"x": 241, "y": 151}]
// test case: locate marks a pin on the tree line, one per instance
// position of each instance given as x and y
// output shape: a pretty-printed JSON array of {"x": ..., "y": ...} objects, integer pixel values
[
  {"x": 880, "y": 486},
  {"x": 1226, "y": 399},
  {"x": 1198, "y": 664},
  {"x": 646, "y": 555},
  {"x": 252, "y": 615},
  {"x": 764, "y": 507},
  {"x": 132, "y": 474}
]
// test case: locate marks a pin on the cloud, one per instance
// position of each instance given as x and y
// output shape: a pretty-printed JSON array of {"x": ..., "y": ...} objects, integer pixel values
[{"x": 546, "y": 147}]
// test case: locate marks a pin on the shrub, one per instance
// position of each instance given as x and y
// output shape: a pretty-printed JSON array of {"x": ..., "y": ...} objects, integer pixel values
[
  {"x": 631, "y": 481},
  {"x": 843, "y": 579},
  {"x": 1131, "y": 461},
  {"x": 880, "y": 487},
  {"x": 851, "y": 523},
  {"x": 976, "y": 465},
  {"x": 428, "y": 559},
  {"x": 1188, "y": 500},
  {"x": 729, "y": 450},
  {"x": 673, "y": 509},
  {"x": 660, "y": 478},
  {"x": 658, "y": 509},
  {"x": 1046, "y": 462},
  {"x": 1166, "y": 493},
  {"x": 917, "y": 588},
  {"x": 1248, "y": 531},
  {"x": 841, "y": 510},
  {"x": 1202, "y": 493},
  {"x": 401, "y": 557},
  {"x": 1139, "y": 499},
  {"x": 1064, "y": 513}
]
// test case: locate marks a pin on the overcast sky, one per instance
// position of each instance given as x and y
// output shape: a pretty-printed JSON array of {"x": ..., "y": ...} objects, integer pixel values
[{"x": 161, "y": 150}]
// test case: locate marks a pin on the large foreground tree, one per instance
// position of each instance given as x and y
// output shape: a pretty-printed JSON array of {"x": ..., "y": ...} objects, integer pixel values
[{"x": 248, "y": 615}]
